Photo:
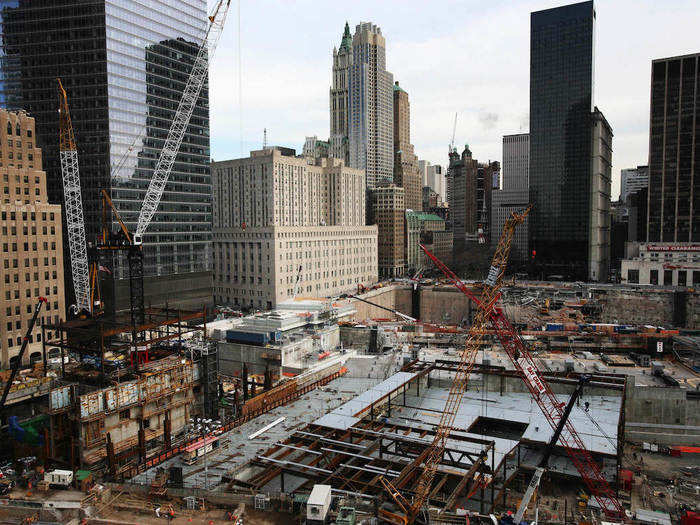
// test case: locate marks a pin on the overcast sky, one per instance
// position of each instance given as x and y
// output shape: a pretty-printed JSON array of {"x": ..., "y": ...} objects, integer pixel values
[{"x": 469, "y": 57}]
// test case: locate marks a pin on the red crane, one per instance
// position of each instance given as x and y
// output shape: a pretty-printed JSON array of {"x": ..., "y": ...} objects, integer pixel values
[{"x": 541, "y": 392}]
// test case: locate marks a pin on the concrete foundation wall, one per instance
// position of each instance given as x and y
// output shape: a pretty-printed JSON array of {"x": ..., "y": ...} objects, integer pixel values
[
  {"x": 232, "y": 356},
  {"x": 354, "y": 337},
  {"x": 636, "y": 307},
  {"x": 663, "y": 415},
  {"x": 498, "y": 383},
  {"x": 396, "y": 297},
  {"x": 444, "y": 306}
]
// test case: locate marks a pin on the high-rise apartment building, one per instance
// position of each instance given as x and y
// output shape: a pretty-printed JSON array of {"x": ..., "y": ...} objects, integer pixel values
[
  {"x": 124, "y": 65},
  {"x": 370, "y": 106},
  {"x": 275, "y": 212},
  {"x": 562, "y": 121},
  {"x": 387, "y": 212},
  {"x": 406, "y": 173},
  {"x": 514, "y": 194},
  {"x": 339, "y": 97},
  {"x": 674, "y": 150},
  {"x": 470, "y": 206},
  {"x": 31, "y": 261},
  {"x": 632, "y": 180}
]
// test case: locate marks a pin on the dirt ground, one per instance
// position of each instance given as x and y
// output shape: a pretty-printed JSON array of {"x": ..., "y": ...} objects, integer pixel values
[{"x": 656, "y": 478}]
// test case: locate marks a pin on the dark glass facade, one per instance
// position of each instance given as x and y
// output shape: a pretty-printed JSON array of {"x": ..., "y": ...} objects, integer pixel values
[
  {"x": 561, "y": 102},
  {"x": 124, "y": 65},
  {"x": 674, "y": 151}
]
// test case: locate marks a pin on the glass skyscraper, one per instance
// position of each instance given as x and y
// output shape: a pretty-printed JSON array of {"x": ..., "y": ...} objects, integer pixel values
[
  {"x": 124, "y": 65},
  {"x": 561, "y": 127},
  {"x": 674, "y": 150}
]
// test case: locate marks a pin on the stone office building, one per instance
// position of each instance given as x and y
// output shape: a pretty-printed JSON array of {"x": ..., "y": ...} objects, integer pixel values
[
  {"x": 279, "y": 218},
  {"x": 31, "y": 261}
]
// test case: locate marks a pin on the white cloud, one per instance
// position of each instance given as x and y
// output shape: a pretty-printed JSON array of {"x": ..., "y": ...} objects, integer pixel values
[{"x": 467, "y": 56}]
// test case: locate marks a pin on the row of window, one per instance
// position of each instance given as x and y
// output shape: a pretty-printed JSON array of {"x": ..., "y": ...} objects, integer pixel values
[
  {"x": 633, "y": 277},
  {"x": 18, "y": 130},
  {"x": 8, "y": 311},
  {"x": 28, "y": 292},
  {"x": 25, "y": 231},
  {"x": 17, "y": 325},
  {"x": 35, "y": 262},
  {"x": 27, "y": 277},
  {"x": 13, "y": 216},
  {"x": 6, "y": 246}
]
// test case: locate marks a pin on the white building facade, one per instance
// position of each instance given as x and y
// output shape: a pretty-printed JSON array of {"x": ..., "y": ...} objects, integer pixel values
[
  {"x": 434, "y": 176},
  {"x": 663, "y": 264},
  {"x": 274, "y": 213}
]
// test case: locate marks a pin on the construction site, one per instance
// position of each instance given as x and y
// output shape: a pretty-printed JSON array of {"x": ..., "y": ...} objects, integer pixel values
[
  {"x": 412, "y": 401},
  {"x": 427, "y": 401}
]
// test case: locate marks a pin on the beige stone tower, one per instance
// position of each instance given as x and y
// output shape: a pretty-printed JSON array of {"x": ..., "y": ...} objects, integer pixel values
[
  {"x": 31, "y": 260},
  {"x": 406, "y": 171}
]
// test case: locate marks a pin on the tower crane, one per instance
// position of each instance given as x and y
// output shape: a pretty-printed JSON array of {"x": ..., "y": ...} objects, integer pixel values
[
  {"x": 75, "y": 222},
  {"x": 553, "y": 410},
  {"x": 132, "y": 243}
]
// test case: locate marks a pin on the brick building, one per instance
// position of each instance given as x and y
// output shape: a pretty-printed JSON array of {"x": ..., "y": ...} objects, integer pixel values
[
  {"x": 406, "y": 171},
  {"x": 471, "y": 185},
  {"x": 387, "y": 212},
  {"x": 32, "y": 242}
]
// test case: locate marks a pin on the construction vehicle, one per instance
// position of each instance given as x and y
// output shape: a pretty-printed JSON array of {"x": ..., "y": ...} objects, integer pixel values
[
  {"x": 23, "y": 348},
  {"x": 59, "y": 478},
  {"x": 122, "y": 239},
  {"x": 553, "y": 410},
  {"x": 84, "y": 276}
]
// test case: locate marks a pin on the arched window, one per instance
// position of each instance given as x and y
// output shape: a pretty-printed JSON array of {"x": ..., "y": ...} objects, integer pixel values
[
  {"x": 9, "y": 128},
  {"x": 18, "y": 132}
]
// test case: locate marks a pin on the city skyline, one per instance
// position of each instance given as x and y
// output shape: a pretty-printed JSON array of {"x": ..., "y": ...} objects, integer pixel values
[{"x": 423, "y": 57}]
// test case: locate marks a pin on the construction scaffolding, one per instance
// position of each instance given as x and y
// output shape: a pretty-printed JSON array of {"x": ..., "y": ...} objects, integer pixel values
[
  {"x": 105, "y": 343},
  {"x": 117, "y": 405}
]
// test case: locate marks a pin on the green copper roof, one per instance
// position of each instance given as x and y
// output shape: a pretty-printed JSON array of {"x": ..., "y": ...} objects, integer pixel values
[
  {"x": 346, "y": 42},
  {"x": 397, "y": 87},
  {"x": 422, "y": 216}
]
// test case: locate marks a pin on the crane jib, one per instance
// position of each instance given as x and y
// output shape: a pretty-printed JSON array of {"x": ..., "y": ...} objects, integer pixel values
[{"x": 531, "y": 376}]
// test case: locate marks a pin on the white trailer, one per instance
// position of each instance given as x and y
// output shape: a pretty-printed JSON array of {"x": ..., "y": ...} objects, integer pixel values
[
  {"x": 59, "y": 478},
  {"x": 318, "y": 504}
]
